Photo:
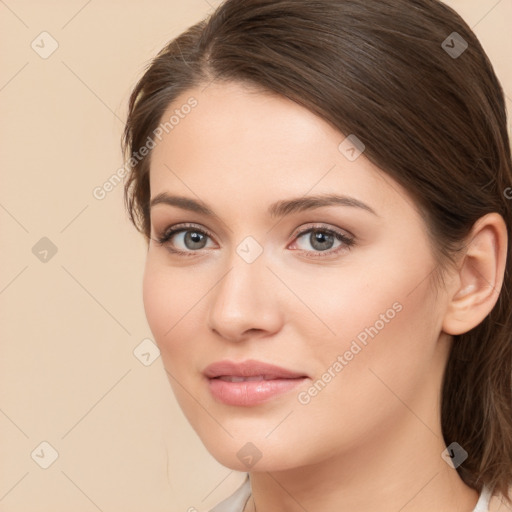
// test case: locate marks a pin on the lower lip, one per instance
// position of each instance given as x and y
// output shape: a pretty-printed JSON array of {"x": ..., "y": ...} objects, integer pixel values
[{"x": 248, "y": 393}]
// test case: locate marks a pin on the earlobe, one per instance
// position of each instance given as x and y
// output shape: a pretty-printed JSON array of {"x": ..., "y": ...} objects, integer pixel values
[{"x": 480, "y": 276}]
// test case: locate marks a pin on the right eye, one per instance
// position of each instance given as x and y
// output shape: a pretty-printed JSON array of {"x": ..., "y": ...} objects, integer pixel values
[{"x": 190, "y": 237}]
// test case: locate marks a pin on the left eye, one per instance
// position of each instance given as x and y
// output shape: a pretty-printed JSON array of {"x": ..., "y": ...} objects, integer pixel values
[{"x": 323, "y": 240}]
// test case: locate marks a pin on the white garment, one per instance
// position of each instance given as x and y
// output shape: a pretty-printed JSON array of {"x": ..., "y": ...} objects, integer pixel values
[{"x": 237, "y": 501}]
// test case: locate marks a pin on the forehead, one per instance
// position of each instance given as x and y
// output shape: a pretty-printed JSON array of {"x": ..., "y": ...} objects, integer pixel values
[
  {"x": 233, "y": 120},
  {"x": 237, "y": 144}
]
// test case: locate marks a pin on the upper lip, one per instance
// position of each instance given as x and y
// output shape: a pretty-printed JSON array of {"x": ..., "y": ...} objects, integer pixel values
[{"x": 249, "y": 368}]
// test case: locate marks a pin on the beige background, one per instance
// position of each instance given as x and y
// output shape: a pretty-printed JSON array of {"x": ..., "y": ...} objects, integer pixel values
[{"x": 68, "y": 373}]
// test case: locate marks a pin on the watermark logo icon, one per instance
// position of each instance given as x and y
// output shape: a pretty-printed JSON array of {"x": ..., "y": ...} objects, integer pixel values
[
  {"x": 454, "y": 455},
  {"x": 44, "y": 250},
  {"x": 44, "y": 455},
  {"x": 249, "y": 249},
  {"x": 146, "y": 352},
  {"x": 454, "y": 45},
  {"x": 44, "y": 45},
  {"x": 351, "y": 147},
  {"x": 249, "y": 454}
]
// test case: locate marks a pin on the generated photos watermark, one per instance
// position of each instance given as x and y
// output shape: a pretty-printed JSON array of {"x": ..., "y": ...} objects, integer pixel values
[
  {"x": 100, "y": 192},
  {"x": 356, "y": 346}
]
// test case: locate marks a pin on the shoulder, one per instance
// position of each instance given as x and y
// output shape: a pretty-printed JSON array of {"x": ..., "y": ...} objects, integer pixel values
[{"x": 499, "y": 502}]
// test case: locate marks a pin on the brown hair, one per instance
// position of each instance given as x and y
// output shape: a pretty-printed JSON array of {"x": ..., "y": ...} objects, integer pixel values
[{"x": 433, "y": 120}]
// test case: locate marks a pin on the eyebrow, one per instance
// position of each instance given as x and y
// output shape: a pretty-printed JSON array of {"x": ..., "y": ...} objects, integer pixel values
[{"x": 275, "y": 210}]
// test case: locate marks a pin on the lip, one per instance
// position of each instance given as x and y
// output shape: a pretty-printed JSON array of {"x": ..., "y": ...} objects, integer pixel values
[
  {"x": 249, "y": 368},
  {"x": 227, "y": 381}
]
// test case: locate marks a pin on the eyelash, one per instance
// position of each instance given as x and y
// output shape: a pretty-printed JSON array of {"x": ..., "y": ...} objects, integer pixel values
[{"x": 347, "y": 242}]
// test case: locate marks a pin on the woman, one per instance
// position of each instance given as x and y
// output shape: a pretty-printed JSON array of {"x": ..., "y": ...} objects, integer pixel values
[{"x": 324, "y": 187}]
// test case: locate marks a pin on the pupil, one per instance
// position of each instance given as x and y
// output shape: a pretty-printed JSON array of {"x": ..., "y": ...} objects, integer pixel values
[
  {"x": 319, "y": 241},
  {"x": 195, "y": 238}
]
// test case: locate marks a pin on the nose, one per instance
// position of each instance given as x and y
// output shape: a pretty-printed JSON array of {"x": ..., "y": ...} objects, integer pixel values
[{"x": 244, "y": 303}]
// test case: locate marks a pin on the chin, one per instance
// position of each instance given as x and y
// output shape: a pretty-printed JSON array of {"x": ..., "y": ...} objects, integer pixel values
[{"x": 244, "y": 455}]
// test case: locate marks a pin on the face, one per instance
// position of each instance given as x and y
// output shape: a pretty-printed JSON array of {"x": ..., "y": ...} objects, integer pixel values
[{"x": 336, "y": 294}]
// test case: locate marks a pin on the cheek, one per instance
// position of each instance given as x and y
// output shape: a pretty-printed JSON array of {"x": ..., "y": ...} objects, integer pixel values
[
  {"x": 155, "y": 293},
  {"x": 370, "y": 296},
  {"x": 164, "y": 301},
  {"x": 173, "y": 300},
  {"x": 386, "y": 325}
]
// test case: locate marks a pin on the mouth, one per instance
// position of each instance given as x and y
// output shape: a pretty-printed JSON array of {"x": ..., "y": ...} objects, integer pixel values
[
  {"x": 254, "y": 378},
  {"x": 258, "y": 370},
  {"x": 250, "y": 382}
]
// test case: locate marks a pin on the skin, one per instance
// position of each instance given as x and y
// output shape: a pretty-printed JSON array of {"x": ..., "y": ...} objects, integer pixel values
[{"x": 371, "y": 438}]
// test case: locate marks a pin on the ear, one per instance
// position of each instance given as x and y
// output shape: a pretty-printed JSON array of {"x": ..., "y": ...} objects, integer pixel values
[{"x": 479, "y": 279}]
